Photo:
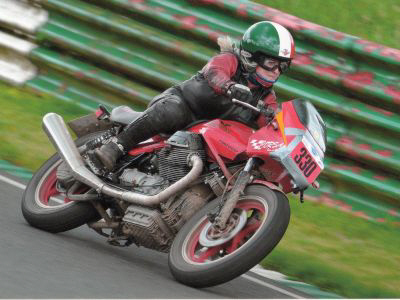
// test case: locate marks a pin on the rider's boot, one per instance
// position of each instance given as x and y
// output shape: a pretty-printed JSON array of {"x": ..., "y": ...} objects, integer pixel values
[
  {"x": 167, "y": 114},
  {"x": 139, "y": 130}
]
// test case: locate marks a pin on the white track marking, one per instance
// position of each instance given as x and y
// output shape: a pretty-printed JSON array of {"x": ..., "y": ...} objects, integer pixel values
[
  {"x": 23, "y": 186},
  {"x": 271, "y": 286},
  {"x": 13, "y": 182}
]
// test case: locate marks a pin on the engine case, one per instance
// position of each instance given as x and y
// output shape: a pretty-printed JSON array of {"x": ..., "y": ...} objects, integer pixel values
[
  {"x": 147, "y": 227},
  {"x": 177, "y": 211},
  {"x": 143, "y": 183}
]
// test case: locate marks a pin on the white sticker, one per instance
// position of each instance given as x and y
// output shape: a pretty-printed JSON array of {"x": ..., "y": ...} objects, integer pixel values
[{"x": 263, "y": 144}]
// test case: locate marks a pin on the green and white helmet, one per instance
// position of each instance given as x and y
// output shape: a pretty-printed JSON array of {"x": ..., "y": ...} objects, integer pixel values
[{"x": 268, "y": 39}]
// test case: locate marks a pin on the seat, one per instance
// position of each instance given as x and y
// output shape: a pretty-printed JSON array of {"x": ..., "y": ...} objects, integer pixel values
[{"x": 124, "y": 114}]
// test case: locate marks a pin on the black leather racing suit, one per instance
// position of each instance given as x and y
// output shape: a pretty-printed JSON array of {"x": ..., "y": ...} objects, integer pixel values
[{"x": 201, "y": 97}]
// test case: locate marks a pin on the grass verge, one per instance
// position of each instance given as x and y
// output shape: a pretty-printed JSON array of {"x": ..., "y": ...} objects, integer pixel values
[
  {"x": 339, "y": 252},
  {"x": 22, "y": 140},
  {"x": 376, "y": 21}
]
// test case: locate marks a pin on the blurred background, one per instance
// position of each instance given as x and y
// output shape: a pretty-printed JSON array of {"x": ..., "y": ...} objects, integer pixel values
[{"x": 69, "y": 56}]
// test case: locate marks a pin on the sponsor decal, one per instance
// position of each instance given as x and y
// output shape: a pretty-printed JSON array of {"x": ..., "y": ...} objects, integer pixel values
[{"x": 263, "y": 144}]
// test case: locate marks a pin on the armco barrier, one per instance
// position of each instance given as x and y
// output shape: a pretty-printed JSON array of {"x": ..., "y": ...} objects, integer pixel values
[{"x": 125, "y": 52}]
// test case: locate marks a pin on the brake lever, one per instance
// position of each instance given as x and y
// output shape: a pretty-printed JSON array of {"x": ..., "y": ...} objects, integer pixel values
[{"x": 246, "y": 105}]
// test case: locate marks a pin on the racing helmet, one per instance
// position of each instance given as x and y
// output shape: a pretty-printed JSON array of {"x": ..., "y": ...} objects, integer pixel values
[{"x": 266, "y": 46}]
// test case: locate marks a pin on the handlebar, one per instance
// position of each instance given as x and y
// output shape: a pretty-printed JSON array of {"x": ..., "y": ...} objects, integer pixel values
[{"x": 236, "y": 101}]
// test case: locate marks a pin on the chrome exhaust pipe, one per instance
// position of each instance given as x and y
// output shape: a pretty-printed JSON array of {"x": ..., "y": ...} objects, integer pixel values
[{"x": 57, "y": 131}]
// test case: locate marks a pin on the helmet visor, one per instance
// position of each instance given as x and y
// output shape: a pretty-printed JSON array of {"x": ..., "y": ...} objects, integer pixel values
[{"x": 271, "y": 64}]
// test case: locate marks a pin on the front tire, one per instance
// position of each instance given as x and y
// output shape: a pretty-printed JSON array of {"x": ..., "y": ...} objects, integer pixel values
[
  {"x": 45, "y": 208},
  {"x": 268, "y": 215}
]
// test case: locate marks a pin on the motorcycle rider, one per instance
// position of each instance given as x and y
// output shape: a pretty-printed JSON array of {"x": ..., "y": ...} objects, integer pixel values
[{"x": 246, "y": 73}]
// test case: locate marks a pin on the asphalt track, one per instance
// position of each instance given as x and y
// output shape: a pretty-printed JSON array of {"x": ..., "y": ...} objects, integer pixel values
[{"x": 80, "y": 264}]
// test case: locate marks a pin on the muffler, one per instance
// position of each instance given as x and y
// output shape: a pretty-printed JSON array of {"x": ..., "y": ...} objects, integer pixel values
[{"x": 57, "y": 131}]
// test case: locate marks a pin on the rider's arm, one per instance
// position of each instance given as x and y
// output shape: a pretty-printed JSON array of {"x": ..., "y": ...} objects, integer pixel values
[
  {"x": 219, "y": 71},
  {"x": 269, "y": 102}
]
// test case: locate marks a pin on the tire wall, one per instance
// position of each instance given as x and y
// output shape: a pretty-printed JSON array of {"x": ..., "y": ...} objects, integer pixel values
[{"x": 118, "y": 52}]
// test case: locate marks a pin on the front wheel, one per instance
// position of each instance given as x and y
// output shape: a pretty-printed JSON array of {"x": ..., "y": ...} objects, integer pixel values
[{"x": 199, "y": 259}]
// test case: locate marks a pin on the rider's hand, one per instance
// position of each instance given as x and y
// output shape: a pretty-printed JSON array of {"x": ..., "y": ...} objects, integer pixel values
[
  {"x": 269, "y": 113},
  {"x": 240, "y": 92}
]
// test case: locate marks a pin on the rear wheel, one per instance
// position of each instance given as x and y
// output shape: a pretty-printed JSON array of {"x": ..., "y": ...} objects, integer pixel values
[
  {"x": 201, "y": 257},
  {"x": 44, "y": 207}
]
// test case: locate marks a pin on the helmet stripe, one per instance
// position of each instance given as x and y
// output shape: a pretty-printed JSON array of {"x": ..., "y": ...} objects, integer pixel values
[{"x": 286, "y": 41}]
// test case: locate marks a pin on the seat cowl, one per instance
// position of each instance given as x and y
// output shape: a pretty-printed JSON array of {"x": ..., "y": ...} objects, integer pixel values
[{"x": 124, "y": 114}]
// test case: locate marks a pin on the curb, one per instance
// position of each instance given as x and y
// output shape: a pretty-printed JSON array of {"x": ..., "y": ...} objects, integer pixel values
[
  {"x": 302, "y": 287},
  {"x": 15, "y": 170}
]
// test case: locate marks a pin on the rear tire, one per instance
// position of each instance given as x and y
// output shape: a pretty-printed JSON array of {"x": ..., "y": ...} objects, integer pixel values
[
  {"x": 40, "y": 191},
  {"x": 198, "y": 266}
]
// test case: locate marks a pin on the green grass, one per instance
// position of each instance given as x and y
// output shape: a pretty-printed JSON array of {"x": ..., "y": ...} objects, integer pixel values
[
  {"x": 339, "y": 252},
  {"x": 22, "y": 140},
  {"x": 376, "y": 21}
]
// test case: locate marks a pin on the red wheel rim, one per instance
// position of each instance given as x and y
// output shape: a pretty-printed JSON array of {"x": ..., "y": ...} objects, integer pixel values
[
  {"x": 196, "y": 253},
  {"x": 47, "y": 189}
]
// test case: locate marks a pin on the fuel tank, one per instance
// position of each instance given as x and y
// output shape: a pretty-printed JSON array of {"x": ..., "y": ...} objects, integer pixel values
[{"x": 227, "y": 138}]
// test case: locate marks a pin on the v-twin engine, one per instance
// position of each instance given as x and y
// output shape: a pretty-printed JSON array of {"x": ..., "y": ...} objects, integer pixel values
[{"x": 154, "y": 228}]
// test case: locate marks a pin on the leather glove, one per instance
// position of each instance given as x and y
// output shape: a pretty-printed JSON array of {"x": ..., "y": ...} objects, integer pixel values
[
  {"x": 269, "y": 113},
  {"x": 240, "y": 92}
]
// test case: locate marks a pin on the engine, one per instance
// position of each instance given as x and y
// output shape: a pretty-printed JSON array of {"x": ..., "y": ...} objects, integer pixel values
[
  {"x": 143, "y": 183},
  {"x": 147, "y": 227},
  {"x": 173, "y": 158},
  {"x": 156, "y": 228}
]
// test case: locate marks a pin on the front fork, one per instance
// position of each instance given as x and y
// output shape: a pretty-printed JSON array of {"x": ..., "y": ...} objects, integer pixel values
[{"x": 233, "y": 197}]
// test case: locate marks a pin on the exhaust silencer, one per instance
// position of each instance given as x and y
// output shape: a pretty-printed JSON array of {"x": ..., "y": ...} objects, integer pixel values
[{"x": 57, "y": 131}]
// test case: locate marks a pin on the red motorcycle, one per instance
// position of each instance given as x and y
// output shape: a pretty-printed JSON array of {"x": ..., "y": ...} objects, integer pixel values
[{"x": 213, "y": 195}]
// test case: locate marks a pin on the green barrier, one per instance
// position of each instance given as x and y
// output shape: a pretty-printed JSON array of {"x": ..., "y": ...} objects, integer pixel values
[
  {"x": 144, "y": 34},
  {"x": 206, "y": 23},
  {"x": 339, "y": 105},
  {"x": 66, "y": 89},
  {"x": 346, "y": 173},
  {"x": 75, "y": 41},
  {"x": 151, "y": 12},
  {"x": 357, "y": 203},
  {"x": 362, "y": 145},
  {"x": 135, "y": 60},
  {"x": 337, "y": 41},
  {"x": 76, "y": 69}
]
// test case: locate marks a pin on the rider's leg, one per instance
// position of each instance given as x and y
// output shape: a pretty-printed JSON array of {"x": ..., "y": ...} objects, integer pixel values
[{"x": 167, "y": 114}]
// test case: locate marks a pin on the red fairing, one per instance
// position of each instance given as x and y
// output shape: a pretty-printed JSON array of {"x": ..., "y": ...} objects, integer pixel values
[
  {"x": 264, "y": 141},
  {"x": 261, "y": 144},
  {"x": 290, "y": 117},
  {"x": 229, "y": 138},
  {"x": 219, "y": 71}
]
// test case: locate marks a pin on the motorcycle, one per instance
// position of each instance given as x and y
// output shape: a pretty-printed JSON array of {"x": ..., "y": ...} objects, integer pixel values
[{"x": 212, "y": 195}]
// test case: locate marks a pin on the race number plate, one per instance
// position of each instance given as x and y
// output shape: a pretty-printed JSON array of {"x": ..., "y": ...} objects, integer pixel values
[{"x": 306, "y": 162}]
